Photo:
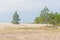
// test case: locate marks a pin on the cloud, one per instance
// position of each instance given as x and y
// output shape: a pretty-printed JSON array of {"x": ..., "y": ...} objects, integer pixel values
[
  {"x": 20, "y": 4},
  {"x": 28, "y": 4}
]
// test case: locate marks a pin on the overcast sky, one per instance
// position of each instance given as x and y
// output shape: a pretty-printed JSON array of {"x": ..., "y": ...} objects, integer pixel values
[{"x": 27, "y": 9}]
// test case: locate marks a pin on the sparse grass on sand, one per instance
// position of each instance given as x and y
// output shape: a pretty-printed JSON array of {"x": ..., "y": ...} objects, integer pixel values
[
  {"x": 43, "y": 33},
  {"x": 46, "y": 29}
]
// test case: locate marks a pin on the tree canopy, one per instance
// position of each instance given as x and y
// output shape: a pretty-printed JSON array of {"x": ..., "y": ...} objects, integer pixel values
[{"x": 48, "y": 17}]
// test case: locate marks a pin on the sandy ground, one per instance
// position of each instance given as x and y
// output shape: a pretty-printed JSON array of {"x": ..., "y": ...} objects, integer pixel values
[
  {"x": 8, "y": 33},
  {"x": 2, "y": 25}
]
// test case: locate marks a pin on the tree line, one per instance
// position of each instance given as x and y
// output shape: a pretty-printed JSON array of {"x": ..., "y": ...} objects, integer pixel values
[{"x": 48, "y": 17}]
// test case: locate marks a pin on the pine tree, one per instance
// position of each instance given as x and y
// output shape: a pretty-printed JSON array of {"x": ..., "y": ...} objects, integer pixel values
[
  {"x": 15, "y": 19},
  {"x": 43, "y": 17}
]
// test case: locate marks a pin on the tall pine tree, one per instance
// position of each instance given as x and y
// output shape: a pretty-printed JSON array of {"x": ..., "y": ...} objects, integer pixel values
[{"x": 15, "y": 19}]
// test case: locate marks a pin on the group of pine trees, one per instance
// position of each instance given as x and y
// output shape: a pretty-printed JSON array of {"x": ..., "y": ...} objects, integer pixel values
[
  {"x": 48, "y": 17},
  {"x": 45, "y": 17}
]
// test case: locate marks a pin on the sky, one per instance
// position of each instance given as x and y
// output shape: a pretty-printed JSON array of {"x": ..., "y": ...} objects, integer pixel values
[{"x": 27, "y": 9}]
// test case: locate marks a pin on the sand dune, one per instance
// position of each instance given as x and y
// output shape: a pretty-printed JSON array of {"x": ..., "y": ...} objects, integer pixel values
[{"x": 13, "y": 32}]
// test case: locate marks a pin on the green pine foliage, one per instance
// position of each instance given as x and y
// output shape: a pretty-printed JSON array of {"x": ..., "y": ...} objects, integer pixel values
[
  {"x": 48, "y": 17},
  {"x": 15, "y": 19}
]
